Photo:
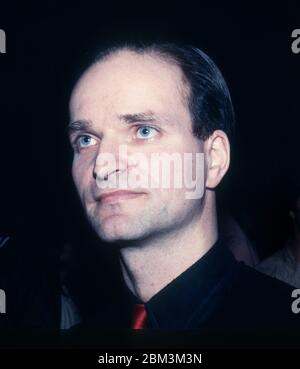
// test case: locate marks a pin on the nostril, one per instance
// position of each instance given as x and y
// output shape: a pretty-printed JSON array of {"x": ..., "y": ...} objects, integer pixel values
[{"x": 105, "y": 177}]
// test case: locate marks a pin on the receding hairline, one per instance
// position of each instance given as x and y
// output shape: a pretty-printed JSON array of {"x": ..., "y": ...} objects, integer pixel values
[{"x": 150, "y": 51}]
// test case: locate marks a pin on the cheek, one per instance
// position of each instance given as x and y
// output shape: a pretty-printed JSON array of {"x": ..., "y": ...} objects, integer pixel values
[
  {"x": 171, "y": 199},
  {"x": 80, "y": 174},
  {"x": 172, "y": 205}
]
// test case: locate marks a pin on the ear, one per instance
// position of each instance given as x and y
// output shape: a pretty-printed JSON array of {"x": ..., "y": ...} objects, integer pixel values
[{"x": 217, "y": 152}]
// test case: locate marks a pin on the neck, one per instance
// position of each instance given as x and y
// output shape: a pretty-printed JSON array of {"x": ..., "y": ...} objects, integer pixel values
[{"x": 151, "y": 265}]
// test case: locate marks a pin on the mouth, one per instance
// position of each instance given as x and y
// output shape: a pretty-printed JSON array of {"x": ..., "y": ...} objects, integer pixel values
[{"x": 119, "y": 195}]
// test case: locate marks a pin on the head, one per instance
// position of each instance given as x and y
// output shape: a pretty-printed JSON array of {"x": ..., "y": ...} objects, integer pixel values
[{"x": 156, "y": 99}]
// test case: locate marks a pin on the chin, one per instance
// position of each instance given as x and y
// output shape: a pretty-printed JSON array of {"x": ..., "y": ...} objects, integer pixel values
[
  {"x": 118, "y": 237},
  {"x": 117, "y": 231}
]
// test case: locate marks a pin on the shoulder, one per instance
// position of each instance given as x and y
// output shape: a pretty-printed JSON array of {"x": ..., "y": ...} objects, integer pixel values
[
  {"x": 258, "y": 283},
  {"x": 261, "y": 300}
]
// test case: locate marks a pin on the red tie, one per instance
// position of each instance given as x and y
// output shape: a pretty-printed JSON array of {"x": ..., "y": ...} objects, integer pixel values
[{"x": 139, "y": 317}]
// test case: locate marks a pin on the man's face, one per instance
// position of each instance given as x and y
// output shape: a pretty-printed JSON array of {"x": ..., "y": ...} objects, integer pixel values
[{"x": 137, "y": 101}]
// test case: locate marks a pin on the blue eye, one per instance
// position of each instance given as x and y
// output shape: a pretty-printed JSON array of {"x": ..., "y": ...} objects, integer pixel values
[
  {"x": 85, "y": 141},
  {"x": 146, "y": 132}
]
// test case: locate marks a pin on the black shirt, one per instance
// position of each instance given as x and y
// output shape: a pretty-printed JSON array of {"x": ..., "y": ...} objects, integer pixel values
[
  {"x": 220, "y": 294},
  {"x": 189, "y": 300},
  {"x": 216, "y": 297}
]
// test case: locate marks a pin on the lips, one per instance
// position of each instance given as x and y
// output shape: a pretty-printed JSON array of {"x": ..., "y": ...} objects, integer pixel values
[{"x": 119, "y": 195}]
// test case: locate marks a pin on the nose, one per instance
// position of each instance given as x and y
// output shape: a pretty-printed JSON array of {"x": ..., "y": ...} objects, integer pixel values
[{"x": 109, "y": 159}]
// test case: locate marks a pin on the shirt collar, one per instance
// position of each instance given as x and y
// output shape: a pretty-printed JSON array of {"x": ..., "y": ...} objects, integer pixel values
[{"x": 178, "y": 305}]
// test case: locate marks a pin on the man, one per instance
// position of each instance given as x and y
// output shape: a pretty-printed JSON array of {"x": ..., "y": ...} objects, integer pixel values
[
  {"x": 285, "y": 263},
  {"x": 157, "y": 99}
]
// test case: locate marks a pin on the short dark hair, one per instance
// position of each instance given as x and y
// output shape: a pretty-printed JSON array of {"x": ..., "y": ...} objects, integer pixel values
[{"x": 209, "y": 99}]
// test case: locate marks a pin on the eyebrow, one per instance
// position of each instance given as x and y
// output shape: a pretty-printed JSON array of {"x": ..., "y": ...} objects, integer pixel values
[
  {"x": 139, "y": 117},
  {"x": 86, "y": 125},
  {"x": 79, "y": 126}
]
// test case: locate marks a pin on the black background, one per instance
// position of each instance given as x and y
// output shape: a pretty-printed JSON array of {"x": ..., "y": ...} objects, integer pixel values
[{"x": 46, "y": 41}]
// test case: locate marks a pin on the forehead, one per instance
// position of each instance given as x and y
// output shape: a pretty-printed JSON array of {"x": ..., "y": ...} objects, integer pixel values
[{"x": 129, "y": 81}]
